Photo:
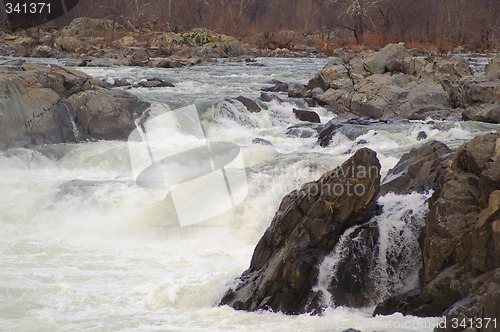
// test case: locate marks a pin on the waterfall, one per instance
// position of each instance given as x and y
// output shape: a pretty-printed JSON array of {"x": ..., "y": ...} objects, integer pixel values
[{"x": 378, "y": 259}]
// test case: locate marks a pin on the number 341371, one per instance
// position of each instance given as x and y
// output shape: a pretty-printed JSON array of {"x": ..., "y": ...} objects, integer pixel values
[
  {"x": 474, "y": 323},
  {"x": 27, "y": 8}
]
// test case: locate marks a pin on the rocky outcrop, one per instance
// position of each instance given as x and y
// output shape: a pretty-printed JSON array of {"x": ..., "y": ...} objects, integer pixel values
[
  {"x": 392, "y": 82},
  {"x": 91, "y": 26},
  {"x": 386, "y": 60},
  {"x": 461, "y": 240},
  {"x": 382, "y": 96},
  {"x": 307, "y": 225},
  {"x": 47, "y": 105},
  {"x": 493, "y": 68},
  {"x": 417, "y": 170},
  {"x": 103, "y": 42},
  {"x": 485, "y": 113}
]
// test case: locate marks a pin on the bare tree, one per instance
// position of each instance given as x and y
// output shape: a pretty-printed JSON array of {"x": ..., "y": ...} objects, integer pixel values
[{"x": 357, "y": 11}]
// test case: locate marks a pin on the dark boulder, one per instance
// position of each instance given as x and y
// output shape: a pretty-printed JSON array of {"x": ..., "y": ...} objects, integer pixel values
[
  {"x": 261, "y": 141},
  {"x": 48, "y": 105},
  {"x": 296, "y": 90},
  {"x": 155, "y": 82},
  {"x": 352, "y": 128},
  {"x": 306, "y": 227},
  {"x": 121, "y": 82},
  {"x": 461, "y": 240},
  {"x": 278, "y": 87},
  {"x": 308, "y": 116},
  {"x": 251, "y": 106},
  {"x": 421, "y": 135},
  {"x": 269, "y": 98},
  {"x": 417, "y": 170}
]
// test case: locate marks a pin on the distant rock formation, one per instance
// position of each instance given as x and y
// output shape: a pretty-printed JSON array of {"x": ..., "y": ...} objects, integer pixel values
[{"x": 392, "y": 82}]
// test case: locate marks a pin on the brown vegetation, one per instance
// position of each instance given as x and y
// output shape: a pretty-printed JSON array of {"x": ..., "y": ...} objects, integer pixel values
[{"x": 474, "y": 24}]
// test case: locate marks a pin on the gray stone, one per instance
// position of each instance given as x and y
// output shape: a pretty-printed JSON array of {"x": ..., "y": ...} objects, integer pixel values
[{"x": 48, "y": 105}]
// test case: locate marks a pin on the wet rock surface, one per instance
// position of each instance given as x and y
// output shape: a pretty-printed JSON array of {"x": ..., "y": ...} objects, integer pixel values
[
  {"x": 308, "y": 116},
  {"x": 460, "y": 242},
  {"x": 308, "y": 224},
  {"x": 352, "y": 128},
  {"x": 47, "y": 105},
  {"x": 417, "y": 170}
]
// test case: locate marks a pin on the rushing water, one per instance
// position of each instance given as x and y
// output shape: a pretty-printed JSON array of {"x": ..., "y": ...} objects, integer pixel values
[{"x": 84, "y": 248}]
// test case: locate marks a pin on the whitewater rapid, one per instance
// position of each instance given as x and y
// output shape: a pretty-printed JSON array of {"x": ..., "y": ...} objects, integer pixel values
[{"x": 85, "y": 249}]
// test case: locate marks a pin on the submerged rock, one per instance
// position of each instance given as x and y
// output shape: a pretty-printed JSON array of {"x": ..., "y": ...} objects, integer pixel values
[
  {"x": 307, "y": 225},
  {"x": 261, "y": 141},
  {"x": 352, "y": 128},
  {"x": 155, "y": 82},
  {"x": 47, "y": 105},
  {"x": 304, "y": 130},
  {"x": 461, "y": 240},
  {"x": 234, "y": 110}
]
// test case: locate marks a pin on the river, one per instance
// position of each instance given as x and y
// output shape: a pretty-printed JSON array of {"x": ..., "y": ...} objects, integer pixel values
[{"x": 85, "y": 249}]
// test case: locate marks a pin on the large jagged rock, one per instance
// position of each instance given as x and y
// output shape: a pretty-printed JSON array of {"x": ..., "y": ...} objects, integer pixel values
[
  {"x": 335, "y": 71},
  {"x": 461, "y": 240},
  {"x": 417, "y": 170},
  {"x": 489, "y": 113},
  {"x": 493, "y": 68},
  {"x": 47, "y": 105},
  {"x": 379, "y": 62},
  {"x": 306, "y": 227},
  {"x": 444, "y": 70},
  {"x": 382, "y": 96},
  {"x": 474, "y": 91}
]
